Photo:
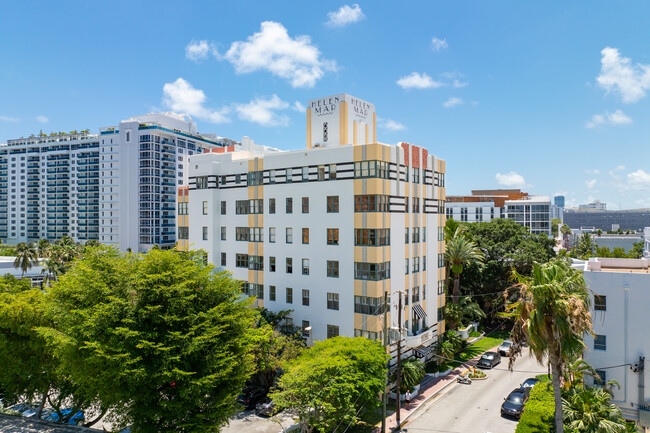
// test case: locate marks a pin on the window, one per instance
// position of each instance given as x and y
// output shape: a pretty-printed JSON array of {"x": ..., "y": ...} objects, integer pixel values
[
  {"x": 368, "y": 305},
  {"x": 223, "y": 233},
  {"x": 415, "y": 294},
  {"x": 333, "y": 268},
  {"x": 416, "y": 205},
  {"x": 424, "y": 263},
  {"x": 416, "y": 234},
  {"x": 271, "y": 176},
  {"x": 441, "y": 287},
  {"x": 305, "y": 205},
  {"x": 332, "y": 171},
  {"x": 205, "y": 207},
  {"x": 416, "y": 264},
  {"x": 256, "y": 263},
  {"x": 600, "y": 302},
  {"x": 321, "y": 172},
  {"x": 272, "y": 264},
  {"x": 182, "y": 208},
  {"x": 371, "y": 203},
  {"x": 289, "y": 175},
  {"x": 289, "y": 205},
  {"x": 601, "y": 378},
  {"x": 441, "y": 260},
  {"x": 201, "y": 182},
  {"x": 371, "y": 271},
  {"x": 332, "y": 236},
  {"x": 223, "y": 259},
  {"x": 271, "y": 293},
  {"x": 305, "y": 235},
  {"x": 332, "y": 331},
  {"x": 205, "y": 233},
  {"x": 305, "y": 325},
  {"x": 372, "y": 237},
  {"x": 416, "y": 176},
  {"x": 305, "y": 266},
  {"x": 370, "y": 335},
  {"x": 407, "y": 267},
  {"x": 255, "y": 178},
  {"x": 255, "y": 206},
  {"x": 406, "y": 235},
  {"x": 289, "y": 235},
  {"x": 332, "y": 301},
  {"x": 289, "y": 265},
  {"x": 289, "y": 295},
  {"x": 223, "y": 208},
  {"x": 424, "y": 234},
  {"x": 272, "y": 235},
  {"x": 241, "y": 260},
  {"x": 271, "y": 205},
  {"x": 371, "y": 169},
  {"x": 241, "y": 207},
  {"x": 600, "y": 342},
  {"x": 332, "y": 204},
  {"x": 305, "y": 297},
  {"x": 242, "y": 234},
  {"x": 305, "y": 174},
  {"x": 183, "y": 232},
  {"x": 325, "y": 131}
]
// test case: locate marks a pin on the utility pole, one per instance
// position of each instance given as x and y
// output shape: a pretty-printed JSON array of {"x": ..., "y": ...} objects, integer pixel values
[
  {"x": 384, "y": 397},
  {"x": 399, "y": 361}
]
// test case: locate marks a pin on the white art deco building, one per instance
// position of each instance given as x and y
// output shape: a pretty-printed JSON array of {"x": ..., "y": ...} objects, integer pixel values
[
  {"x": 118, "y": 186},
  {"x": 327, "y": 231}
]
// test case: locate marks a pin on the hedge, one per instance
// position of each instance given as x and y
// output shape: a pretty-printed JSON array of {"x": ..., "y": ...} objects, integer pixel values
[{"x": 539, "y": 412}]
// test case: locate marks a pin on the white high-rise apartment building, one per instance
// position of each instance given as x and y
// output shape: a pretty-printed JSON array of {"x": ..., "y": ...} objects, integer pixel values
[
  {"x": 327, "y": 231},
  {"x": 118, "y": 187},
  {"x": 533, "y": 212}
]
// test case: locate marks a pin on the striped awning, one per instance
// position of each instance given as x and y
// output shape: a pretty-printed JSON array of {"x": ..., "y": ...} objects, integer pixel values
[
  {"x": 422, "y": 351},
  {"x": 418, "y": 311}
]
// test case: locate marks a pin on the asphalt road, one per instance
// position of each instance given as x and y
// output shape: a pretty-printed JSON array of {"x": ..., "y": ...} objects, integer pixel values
[{"x": 476, "y": 408}]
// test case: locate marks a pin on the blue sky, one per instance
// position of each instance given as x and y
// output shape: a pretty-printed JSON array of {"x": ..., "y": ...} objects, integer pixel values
[{"x": 547, "y": 96}]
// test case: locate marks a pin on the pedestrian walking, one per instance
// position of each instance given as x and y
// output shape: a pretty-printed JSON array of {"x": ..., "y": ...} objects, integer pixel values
[{"x": 407, "y": 399}]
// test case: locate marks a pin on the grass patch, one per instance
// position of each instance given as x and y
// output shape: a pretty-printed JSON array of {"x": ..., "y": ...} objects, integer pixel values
[
  {"x": 475, "y": 349},
  {"x": 474, "y": 334}
]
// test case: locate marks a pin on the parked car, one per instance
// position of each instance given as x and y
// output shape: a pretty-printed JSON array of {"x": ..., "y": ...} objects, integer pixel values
[
  {"x": 529, "y": 383},
  {"x": 489, "y": 360},
  {"x": 513, "y": 406},
  {"x": 265, "y": 408},
  {"x": 250, "y": 397},
  {"x": 504, "y": 348},
  {"x": 27, "y": 410},
  {"x": 76, "y": 419}
]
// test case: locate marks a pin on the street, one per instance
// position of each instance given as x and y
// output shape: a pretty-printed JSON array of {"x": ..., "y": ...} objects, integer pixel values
[{"x": 476, "y": 408}]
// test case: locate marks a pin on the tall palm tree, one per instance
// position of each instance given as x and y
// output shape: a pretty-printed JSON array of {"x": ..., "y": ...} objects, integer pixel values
[
  {"x": 466, "y": 309},
  {"x": 43, "y": 248},
  {"x": 461, "y": 252},
  {"x": 586, "y": 245},
  {"x": 26, "y": 256},
  {"x": 589, "y": 410},
  {"x": 52, "y": 268},
  {"x": 566, "y": 231},
  {"x": 551, "y": 312}
]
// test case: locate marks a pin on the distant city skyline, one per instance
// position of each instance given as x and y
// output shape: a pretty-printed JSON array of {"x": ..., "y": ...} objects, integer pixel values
[{"x": 549, "y": 98}]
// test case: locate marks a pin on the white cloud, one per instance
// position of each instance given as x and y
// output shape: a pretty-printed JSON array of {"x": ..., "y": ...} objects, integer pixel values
[
  {"x": 345, "y": 15},
  {"x": 42, "y": 119},
  {"x": 591, "y": 183},
  {"x": 618, "y": 74},
  {"x": 474, "y": 103},
  {"x": 418, "y": 81},
  {"x": 615, "y": 118},
  {"x": 272, "y": 49},
  {"x": 511, "y": 179},
  {"x": 638, "y": 179},
  {"x": 458, "y": 84},
  {"x": 9, "y": 119},
  {"x": 592, "y": 171},
  {"x": 619, "y": 167},
  {"x": 299, "y": 107},
  {"x": 390, "y": 124},
  {"x": 182, "y": 97},
  {"x": 452, "y": 102},
  {"x": 439, "y": 44},
  {"x": 196, "y": 51},
  {"x": 263, "y": 111}
]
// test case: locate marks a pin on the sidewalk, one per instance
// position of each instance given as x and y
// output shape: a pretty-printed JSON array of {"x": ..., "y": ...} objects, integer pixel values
[{"x": 427, "y": 392}]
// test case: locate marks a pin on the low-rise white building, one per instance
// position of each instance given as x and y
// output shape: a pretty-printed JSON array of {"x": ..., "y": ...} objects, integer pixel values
[
  {"x": 620, "y": 291},
  {"x": 327, "y": 231}
]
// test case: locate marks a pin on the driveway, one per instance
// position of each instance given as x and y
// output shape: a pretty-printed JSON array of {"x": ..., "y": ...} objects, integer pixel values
[{"x": 475, "y": 408}]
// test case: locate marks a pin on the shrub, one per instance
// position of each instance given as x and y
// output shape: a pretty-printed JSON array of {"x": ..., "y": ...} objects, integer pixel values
[{"x": 539, "y": 412}]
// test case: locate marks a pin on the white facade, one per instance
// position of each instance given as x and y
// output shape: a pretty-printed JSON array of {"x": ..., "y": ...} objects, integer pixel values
[
  {"x": 118, "y": 187},
  {"x": 327, "y": 231},
  {"x": 594, "y": 205},
  {"x": 531, "y": 212},
  {"x": 473, "y": 212},
  {"x": 620, "y": 291},
  {"x": 340, "y": 119}
]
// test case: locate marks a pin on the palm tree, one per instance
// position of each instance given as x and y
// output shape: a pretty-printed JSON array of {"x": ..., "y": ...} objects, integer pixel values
[
  {"x": 586, "y": 245},
  {"x": 52, "y": 268},
  {"x": 26, "y": 256},
  {"x": 551, "y": 312},
  {"x": 43, "y": 248},
  {"x": 575, "y": 371},
  {"x": 461, "y": 252},
  {"x": 566, "y": 231},
  {"x": 412, "y": 373},
  {"x": 589, "y": 410},
  {"x": 466, "y": 309},
  {"x": 68, "y": 249}
]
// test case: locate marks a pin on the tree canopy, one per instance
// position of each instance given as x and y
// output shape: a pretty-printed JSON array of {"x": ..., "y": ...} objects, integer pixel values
[{"x": 330, "y": 382}]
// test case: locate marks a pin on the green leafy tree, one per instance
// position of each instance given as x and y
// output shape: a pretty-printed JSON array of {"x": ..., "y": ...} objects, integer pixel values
[
  {"x": 162, "y": 340},
  {"x": 555, "y": 226},
  {"x": 271, "y": 350},
  {"x": 412, "y": 373},
  {"x": 330, "y": 382},
  {"x": 26, "y": 257},
  {"x": 589, "y": 410},
  {"x": 460, "y": 252},
  {"x": 551, "y": 312}
]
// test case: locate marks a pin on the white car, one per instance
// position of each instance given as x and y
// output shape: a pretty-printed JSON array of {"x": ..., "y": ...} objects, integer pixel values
[{"x": 504, "y": 348}]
